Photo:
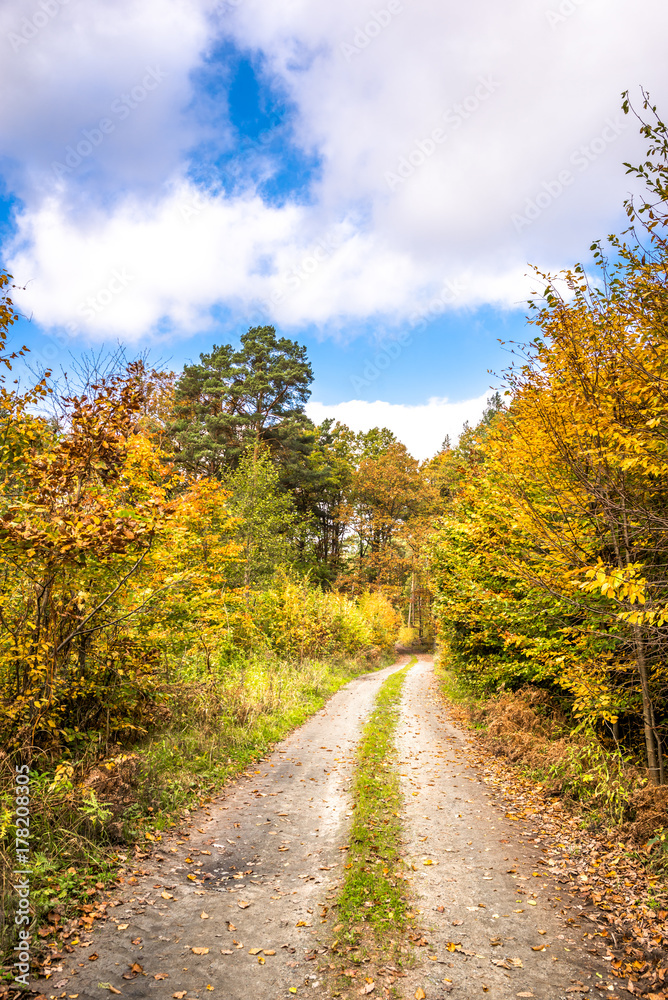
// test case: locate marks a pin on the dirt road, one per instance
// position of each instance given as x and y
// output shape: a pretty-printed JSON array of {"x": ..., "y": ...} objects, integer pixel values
[
  {"x": 485, "y": 886},
  {"x": 238, "y": 908},
  {"x": 247, "y": 887}
]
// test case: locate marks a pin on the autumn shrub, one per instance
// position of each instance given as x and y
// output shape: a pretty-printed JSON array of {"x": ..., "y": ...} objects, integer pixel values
[
  {"x": 296, "y": 620},
  {"x": 382, "y": 618}
]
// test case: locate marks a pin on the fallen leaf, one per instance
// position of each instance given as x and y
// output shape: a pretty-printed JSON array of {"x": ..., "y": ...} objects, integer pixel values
[
  {"x": 369, "y": 988},
  {"x": 161, "y": 975},
  {"x": 137, "y": 941},
  {"x": 203, "y": 915},
  {"x": 122, "y": 927},
  {"x": 420, "y": 994},
  {"x": 254, "y": 951},
  {"x": 268, "y": 951},
  {"x": 179, "y": 996},
  {"x": 292, "y": 989},
  {"x": 427, "y": 861},
  {"x": 457, "y": 923},
  {"x": 230, "y": 926},
  {"x": 226, "y": 951},
  {"x": 538, "y": 947},
  {"x": 453, "y": 945},
  {"x": 243, "y": 904},
  {"x": 301, "y": 923},
  {"x": 525, "y": 994},
  {"x": 166, "y": 895},
  {"x": 94, "y": 957},
  {"x": 531, "y": 902},
  {"x": 200, "y": 951},
  {"x": 136, "y": 968}
]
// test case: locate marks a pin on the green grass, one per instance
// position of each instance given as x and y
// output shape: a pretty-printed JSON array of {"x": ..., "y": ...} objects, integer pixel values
[{"x": 374, "y": 892}]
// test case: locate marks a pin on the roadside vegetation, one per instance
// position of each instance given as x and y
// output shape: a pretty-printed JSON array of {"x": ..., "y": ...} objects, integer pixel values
[{"x": 548, "y": 562}]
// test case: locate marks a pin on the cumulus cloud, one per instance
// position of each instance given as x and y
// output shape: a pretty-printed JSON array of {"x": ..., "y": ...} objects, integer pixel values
[
  {"x": 456, "y": 143},
  {"x": 67, "y": 65},
  {"x": 421, "y": 428}
]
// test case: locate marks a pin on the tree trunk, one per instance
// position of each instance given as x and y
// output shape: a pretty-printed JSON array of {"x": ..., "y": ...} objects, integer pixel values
[{"x": 654, "y": 762}]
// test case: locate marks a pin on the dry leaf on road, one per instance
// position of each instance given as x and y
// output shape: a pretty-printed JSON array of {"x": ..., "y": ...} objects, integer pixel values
[{"x": 200, "y": 951}]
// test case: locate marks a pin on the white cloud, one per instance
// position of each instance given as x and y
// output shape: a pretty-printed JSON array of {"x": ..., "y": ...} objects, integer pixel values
[
  {"x": 518, "y": 93},
  {"x": 67, "y": 67},
  {"x": 421, "y": 428}
]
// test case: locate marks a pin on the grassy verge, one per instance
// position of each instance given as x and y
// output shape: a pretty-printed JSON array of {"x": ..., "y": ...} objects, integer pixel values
[
  {"x": 373, "y": 907},
  {"x": 88, "y": 809}
]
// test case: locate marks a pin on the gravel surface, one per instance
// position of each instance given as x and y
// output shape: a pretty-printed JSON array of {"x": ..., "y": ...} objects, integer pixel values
[
  {"x": 261, "y": 859},
  {"x": 485, "y": 887}
]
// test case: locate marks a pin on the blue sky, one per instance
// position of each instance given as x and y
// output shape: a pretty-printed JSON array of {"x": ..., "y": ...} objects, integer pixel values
[{"x": 373, "y": 180}]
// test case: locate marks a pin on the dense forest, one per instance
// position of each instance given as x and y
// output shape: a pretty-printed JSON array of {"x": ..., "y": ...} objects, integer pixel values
[{"x": 149, "y": 518}]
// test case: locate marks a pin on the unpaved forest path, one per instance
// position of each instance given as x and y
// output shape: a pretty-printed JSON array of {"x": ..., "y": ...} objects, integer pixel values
[
  {"x": 248, "y": 887},
  {"x": 494, "y": 889}
]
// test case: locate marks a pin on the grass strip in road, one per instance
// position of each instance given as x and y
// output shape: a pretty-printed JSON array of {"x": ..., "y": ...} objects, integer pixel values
[{"x": 374, "y": 892}]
